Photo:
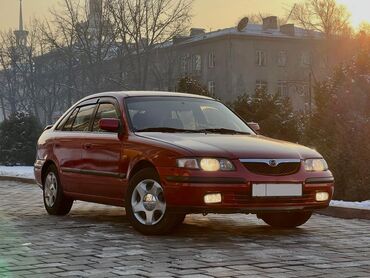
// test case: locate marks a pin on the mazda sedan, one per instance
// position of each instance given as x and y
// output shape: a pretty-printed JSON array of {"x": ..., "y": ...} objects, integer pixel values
[{"x": 164, "y": 155}]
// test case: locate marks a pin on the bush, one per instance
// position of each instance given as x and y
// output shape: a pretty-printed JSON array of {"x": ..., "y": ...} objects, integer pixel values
[{"x": 18, "y": 138}]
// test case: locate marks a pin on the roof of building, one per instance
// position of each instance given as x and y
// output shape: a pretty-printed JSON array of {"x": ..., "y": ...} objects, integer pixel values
[{"x": 252, "y": 30}]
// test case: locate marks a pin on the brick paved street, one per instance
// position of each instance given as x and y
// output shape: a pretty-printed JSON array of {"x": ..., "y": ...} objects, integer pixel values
[{"x": 97, "y": 241}]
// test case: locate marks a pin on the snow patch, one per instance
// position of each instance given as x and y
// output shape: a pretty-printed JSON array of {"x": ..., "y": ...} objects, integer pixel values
[
  {"x": 17, "y": 171},
  {"x": 354, "y": 205}
]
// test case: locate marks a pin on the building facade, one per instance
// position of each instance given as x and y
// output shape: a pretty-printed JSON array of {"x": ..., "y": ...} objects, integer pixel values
[{"x": 234, "y": 62}]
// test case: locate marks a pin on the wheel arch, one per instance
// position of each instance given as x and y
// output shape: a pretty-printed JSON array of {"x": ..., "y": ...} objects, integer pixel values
[
  {"x": 142, "y": 164},
  {"x": 45, "y": 167}
]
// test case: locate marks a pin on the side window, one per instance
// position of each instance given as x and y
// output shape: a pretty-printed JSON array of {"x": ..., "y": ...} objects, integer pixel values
[
  {"x": 68, "y": 124},
  {"x": 83, "y": 118},
  {"x": 63, "y": 121},
  {"x": 105, "y": 110}
]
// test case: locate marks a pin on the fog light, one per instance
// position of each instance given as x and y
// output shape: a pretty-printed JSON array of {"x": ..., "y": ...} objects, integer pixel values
[
  {"x": 322, "y": 196},
  {"x": 212, "y": 198}
]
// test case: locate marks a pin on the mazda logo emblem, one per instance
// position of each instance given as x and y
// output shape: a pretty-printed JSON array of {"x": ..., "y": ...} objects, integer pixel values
[{"x": 273, "y": 163}]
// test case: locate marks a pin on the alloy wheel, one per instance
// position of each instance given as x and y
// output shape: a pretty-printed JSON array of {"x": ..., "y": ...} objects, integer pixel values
[
  {"x": 50, "y": 188},
  {"x": 147, "y": 202}
]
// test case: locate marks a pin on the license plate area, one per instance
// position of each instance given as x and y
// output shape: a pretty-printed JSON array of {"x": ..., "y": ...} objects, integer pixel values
[{"x": 277, "y": 190}]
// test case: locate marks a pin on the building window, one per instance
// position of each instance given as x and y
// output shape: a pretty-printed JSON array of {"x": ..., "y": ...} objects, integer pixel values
[
  {"x": 261, "y": 58},
  {"x": 306, "y": 59},
  {"x": 197, "y": 63},
  {"x": 211, "y": 87},
  {"x": 211, "y": 60},
  {"x": 261, "y": 85},
  {"x": 283, "y": 88},
  {"x": 184, "y": 63},
  {"x": 282, "y": 58}
]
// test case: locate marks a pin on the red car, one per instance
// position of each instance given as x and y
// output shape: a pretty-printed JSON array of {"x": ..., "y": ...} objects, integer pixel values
[{"x": 164, "y": 155}]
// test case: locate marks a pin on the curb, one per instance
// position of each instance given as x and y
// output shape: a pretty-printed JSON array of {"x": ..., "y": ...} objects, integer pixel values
[
  {"x": 345, "y": 213},
  {"x": 18, "y": 179}
]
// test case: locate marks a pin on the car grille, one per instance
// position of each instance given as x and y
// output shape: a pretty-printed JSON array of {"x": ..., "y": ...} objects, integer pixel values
[{"x": 263, "y": 167}]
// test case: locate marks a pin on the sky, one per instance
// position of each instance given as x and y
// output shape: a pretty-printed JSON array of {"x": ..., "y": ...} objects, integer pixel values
[{"x": 208, "y": 14}]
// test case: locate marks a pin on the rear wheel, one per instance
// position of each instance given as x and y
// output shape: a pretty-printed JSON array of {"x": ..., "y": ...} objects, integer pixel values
[
  {"x": 55, "y": 202},
  {"x": 286, "y": 219},
  {"x": 146, "y": 206}
]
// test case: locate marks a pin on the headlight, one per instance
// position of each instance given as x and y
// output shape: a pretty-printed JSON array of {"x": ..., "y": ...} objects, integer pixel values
[
  {"x": 206, "y": 164},
  {"x": 315, "y": 165},
  {"x": 210, "y": 164}
]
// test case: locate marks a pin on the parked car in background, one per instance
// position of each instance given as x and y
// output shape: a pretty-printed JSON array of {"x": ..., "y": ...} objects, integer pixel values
[{"x": 164, "y": 155}]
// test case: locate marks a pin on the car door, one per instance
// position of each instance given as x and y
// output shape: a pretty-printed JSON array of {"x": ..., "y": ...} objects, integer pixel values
[
  {"x": 102, "y": 155},
  {"x": 69, "y": 145}
]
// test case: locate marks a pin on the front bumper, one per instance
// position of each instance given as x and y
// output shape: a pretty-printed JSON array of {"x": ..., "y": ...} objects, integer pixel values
[{"x": 185, "y": 193}]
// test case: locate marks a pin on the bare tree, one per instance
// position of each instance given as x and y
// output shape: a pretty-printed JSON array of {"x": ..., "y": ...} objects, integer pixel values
[
  {"x": 324, "y": 16},
  {"x": 61, "y": 36},
  {"x": 142, "y": 25},
  {"x": 96, "y": 44}
]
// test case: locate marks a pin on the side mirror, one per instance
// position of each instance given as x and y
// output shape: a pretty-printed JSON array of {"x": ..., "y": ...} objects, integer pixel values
[
  {"x": 255, "y": 127},
  {"x": 109, "y": 124}
]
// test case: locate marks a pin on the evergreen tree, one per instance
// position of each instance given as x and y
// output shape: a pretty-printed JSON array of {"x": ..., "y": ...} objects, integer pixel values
[
  {"x": 274, "y": 114},
  {"x": 18, "y": 137},
  {"x": 340, "y": 127},
  {"x": 192, "y": 86}
]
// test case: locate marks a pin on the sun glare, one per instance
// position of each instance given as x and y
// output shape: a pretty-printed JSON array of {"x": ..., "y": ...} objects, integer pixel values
[{"x": 360, "y": 10}]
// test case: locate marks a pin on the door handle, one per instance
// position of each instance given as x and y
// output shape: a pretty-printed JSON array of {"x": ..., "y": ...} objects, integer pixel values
[{"x": 87, "y": 146}]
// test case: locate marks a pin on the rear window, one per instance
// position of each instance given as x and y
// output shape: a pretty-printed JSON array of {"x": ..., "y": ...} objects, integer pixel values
[{"x": 68, "y": 124}]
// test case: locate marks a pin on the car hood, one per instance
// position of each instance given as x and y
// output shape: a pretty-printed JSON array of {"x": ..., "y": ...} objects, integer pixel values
[{"x": 233, "y": 146}]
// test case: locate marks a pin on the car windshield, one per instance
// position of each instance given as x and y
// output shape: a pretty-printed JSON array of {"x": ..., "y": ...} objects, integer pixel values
[{"x": 183, "y": 114}]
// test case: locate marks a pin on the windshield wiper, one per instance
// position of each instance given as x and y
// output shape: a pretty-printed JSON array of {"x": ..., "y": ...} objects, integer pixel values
[
  {"x": 167, "y": 130},
  {"x": 179, "y": 130},
  {"x": 223, "y": 131}
]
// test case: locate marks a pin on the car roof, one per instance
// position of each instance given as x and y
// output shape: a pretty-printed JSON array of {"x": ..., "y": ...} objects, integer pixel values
[{"x": 125, "y": 94}]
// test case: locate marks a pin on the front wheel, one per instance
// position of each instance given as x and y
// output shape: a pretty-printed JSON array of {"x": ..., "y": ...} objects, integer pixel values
[
  {"x": 146, "y": 206},
  {"x": 286, "y": 219}
]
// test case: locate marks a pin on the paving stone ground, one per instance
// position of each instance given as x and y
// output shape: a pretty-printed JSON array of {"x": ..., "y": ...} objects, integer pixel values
[{"x": 97, "y": 241}]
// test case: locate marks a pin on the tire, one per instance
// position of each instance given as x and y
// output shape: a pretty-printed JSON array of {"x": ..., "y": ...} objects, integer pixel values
[
  {"x": 146, "y": 207},
  {"x": 286, "y": 219},
  {"x": 55, "y": 202}
]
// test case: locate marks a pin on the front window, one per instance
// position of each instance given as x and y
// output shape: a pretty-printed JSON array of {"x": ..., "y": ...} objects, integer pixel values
[
  {"x": 105, "y": 110},
  {"x": 176, "y": 114}
]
